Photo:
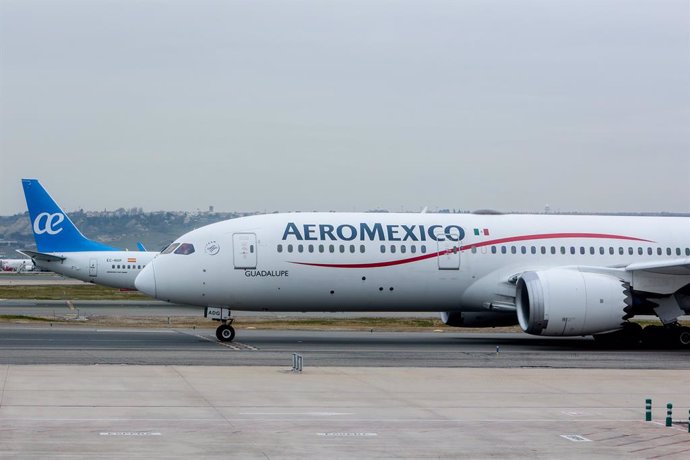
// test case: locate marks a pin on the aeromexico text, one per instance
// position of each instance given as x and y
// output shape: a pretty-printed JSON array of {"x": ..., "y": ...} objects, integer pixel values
[{"x": 373, "y": 232}]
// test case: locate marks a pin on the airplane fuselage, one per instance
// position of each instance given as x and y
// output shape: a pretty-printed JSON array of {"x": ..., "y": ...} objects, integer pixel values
[
  {"x": 400, "y": 262},
  {"x": 116, "y": 269}
]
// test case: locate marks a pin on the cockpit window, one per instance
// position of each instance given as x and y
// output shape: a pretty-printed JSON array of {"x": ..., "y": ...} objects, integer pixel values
[
  {"x": 170, "y": 248},
  {"x": 185, "y": 249}
]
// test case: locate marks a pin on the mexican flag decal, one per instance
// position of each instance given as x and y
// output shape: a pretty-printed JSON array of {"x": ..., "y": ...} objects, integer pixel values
[{"x": 481, "y": 231}]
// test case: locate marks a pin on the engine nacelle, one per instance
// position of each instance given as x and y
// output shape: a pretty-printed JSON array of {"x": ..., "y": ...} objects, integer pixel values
[
  {"x": 478, "y": 319},
  {"x": 570, "y": 302}
]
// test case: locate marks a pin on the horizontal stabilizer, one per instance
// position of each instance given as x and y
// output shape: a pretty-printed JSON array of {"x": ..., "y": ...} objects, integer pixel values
[{"x": 40, "y": 256}]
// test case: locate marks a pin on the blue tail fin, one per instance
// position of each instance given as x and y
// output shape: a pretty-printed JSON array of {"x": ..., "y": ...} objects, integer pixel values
[{"x": 53, "y": 230}]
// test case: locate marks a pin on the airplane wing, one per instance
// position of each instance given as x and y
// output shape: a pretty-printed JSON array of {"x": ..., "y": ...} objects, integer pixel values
[
  {"x": 40, "y": 256},
  {"x": 667, "y": 267}
]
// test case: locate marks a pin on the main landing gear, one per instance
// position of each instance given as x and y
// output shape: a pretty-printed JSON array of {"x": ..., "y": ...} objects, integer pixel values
[
  {"x": 225, "y": 332},
  {"x": 633, "y": 335}
]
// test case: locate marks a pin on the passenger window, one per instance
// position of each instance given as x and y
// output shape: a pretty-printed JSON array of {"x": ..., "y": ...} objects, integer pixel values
[
  {"x": 186, "y": 248},
  {"x": 392, "y": 249},
  {"x": 383, "y": 249},
  {"x": 601, "y": 250},
  {"x": 630, "y": 250},
  {"x": 677, "y": 251},
  {"x": 113, "y": 266},
  {"x": 523, "y": 249},
  {"x": 640, "y": 251},
  {"x": 251, "y": 249},
  {"x": 280, "y": 248},
  {"x": 591, "y": 250},
  {"x": 582, "y": 250},
  {"x": 493, "y": 249},
  {"x": 611, "y": 251},
  {"x": 342, "y": 249},
  {"x": 658, "y": 251},
  {"x": 321, "y": 248},
  {"x": 687, "y": 251},
  {"x": 362, "y": 248},
  {"x": 621, "y": 251},
  {"x": 300, "y": 248},
  {"x": 553, "y": 249},
  {"x": 413, "y": 249},
  {"x": 562, "y": 250},
  {"x": 513, "y": 250},
  {"x": 403, "y": 248},
  {"x": 310, "y": 248},
  {"x": 423, "y": 249},
  {"x": 331, "y": 248},
  {"x": 474, "y": 249},
  {"x": 533, "y": 249},
  {"x": 649, "y": 251},
  {"x": 543, "y": 249},
  {"x": 668, "y": 251},
  {"x": 572, "y": 250},
  {"x": 352, "y": 249},
  {"x": 503, "y": 250},
  {"x": 118, "y": 267},
  {"x": 169, "y": 249},
  {"x": 289, "y": 248}
]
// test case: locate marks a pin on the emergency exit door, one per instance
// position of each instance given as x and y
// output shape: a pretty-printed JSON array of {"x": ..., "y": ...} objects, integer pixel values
[
  {"x": 244, "y": 246},
  {"x": 93, "y": 267},
  {"x": 449, "y": 251}
]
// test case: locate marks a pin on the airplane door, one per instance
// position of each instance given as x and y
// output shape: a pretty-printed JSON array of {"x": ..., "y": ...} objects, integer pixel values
[
  {"x": 93, "y": 267},
  {"x": 449, "y": 251},
  {"x": 244, "y": 247}
]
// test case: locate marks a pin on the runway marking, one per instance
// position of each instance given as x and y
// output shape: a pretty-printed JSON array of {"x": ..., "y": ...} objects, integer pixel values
[
  {"x": 348, "y": 435},
  {"x": 138, "y": 331},
  {"x": 575, "y": 438},
  {"x": 237, "y": 346},
  {"x": 671, "y": 427},
  {"x": 129, "y": 433},
  {"x": 315, "y": 414}
]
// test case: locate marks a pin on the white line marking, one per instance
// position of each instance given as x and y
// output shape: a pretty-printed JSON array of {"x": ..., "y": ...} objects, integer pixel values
[
  {"x": 575, "y": 438},
  {"x": 314, "y": 414},
  {"x": 129, "y": 433},
  {"x": 671, "y": 427},
  {"x": 237, "y": 346},
  {"x": 348, "y": 435},
  {"x": 165, "y": 331}
]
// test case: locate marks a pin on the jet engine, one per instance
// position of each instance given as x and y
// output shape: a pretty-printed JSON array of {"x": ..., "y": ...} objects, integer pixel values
[
  {"x": 478, "y": 319},
  {"x": 565, "y": 302}
]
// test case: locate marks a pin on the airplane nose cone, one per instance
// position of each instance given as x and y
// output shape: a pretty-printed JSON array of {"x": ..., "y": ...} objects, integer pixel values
[{"x": 146, "y": 280}]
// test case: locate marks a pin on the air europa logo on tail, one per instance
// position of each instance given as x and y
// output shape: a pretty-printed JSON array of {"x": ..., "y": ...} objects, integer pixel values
[
  {"x": 373, "y": 232},
  {"x": 51, "y": 220}
]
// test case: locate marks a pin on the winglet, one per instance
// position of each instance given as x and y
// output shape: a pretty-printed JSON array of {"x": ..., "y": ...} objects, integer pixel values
[{"x": 53, "y": 230}]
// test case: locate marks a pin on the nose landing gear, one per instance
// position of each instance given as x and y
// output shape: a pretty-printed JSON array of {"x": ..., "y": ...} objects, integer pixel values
[{"x": 225, "y": 332}]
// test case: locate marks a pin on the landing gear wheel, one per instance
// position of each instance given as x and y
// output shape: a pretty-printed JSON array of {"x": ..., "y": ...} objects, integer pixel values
[
  {"x": 225, "y": 333},
  {"x": 683, "y": 337}
]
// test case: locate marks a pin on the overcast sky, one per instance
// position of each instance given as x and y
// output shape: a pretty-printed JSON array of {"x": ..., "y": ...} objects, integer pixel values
[{"x": 347, "y": 105}]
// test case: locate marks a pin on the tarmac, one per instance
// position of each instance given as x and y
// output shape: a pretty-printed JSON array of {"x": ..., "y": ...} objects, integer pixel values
[{"x": 120, "y": 411}]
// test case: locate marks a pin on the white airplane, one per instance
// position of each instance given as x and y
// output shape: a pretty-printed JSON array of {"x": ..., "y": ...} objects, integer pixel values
[
  {"x": 63, "y": 249},
  {"x": 555, "y": 275},
  {"x": 16, "y": 265}
]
